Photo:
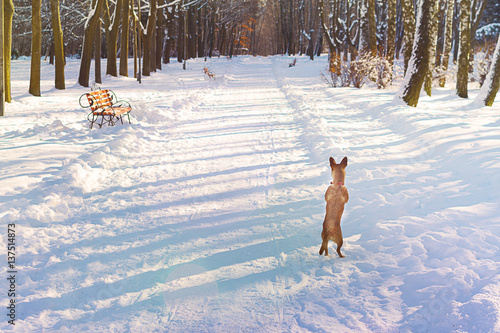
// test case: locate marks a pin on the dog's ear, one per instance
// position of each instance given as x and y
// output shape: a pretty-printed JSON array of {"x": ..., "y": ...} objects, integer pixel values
[
  {"x": 332, "y": 162},
  {"x": 343, "y": 164}
]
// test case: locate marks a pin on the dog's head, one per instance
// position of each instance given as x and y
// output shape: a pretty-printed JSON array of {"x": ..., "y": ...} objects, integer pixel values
[{"x": 338, "y": 170}]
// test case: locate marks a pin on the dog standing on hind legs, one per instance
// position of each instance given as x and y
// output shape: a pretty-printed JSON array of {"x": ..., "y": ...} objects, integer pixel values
[{"x": 336, "y": 197}]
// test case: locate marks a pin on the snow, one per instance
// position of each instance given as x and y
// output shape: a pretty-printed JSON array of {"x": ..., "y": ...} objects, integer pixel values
[{"x": 205, "y": 213}]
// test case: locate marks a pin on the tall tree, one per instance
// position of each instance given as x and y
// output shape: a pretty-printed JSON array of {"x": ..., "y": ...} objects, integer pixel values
[
  {"x": 97, "y": 54},
  {"x": 464, "y": 49},
  {"x": 409, "y": 29},
  {"x": 113, "y": 38},
  {"x": 391, "y": 32},
  {"x": 450, "y": 5},
  {"x": 372, "y": 24},
  {"x": 36, "y": 47},
  {"x": 124, "y": 38},
  {"x": 432, "y": 47},
  {"x": 7, "y": 46},
  {"x": 58, "y": 44},
  {"x": 419, "y": 61},
  {"x": 88, "y": 41},
  {"x": 2, "y": 89},
  {"x": 149, "y": 56},
  {"x": 491, "y": 85}
]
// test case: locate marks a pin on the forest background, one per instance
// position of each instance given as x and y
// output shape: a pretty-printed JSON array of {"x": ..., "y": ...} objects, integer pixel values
[{"x": 362, "y": 37}]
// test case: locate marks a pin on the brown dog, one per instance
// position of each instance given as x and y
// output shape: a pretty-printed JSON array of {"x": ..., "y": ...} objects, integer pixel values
[{"x": 336, "y": 197}]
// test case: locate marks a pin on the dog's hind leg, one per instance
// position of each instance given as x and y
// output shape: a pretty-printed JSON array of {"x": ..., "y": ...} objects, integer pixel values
[
  {"x": 339, "y": 245},
  {"x": 324, "y": 248}
]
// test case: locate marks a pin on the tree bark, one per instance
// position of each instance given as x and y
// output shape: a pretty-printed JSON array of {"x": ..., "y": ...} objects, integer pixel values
[
  {"x": 7, "y": 46},
  {"x": 124, "y": 38},
  {"x": 149, "y": 63},
  {"x": 36, "y": 46},
  {"x": 450, "y": 5},
  {"x": 409, "y": 29},
  {"x": 112, "y": 40},
  {"x": 159, "y": 35},
  {"x": 432, "y": 48},
  {"x": 88, "y": 40},
  {"x": 491, "y": 85},
  {"x": 2, "y": 70},
  {"x": 391, "y": 33},
  {"x": 97, "y": 54},
  {"x": 464, "y": 49},
  {"x": 58, "y": 44},
  {"x": 372, "y": 24},
  {"x": 419, "y": 61}
]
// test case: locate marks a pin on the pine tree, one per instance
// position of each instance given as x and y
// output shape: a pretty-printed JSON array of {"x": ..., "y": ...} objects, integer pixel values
[
  {"x": 491, "y": 85},
  {"x": 418, "y": 64}
]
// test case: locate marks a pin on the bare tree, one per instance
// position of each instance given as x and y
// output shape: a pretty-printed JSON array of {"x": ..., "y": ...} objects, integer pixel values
[
  {"x": 491, "y": 85},
  {"x": 124, "y": 38},
  {"x": 409, "y": 29},
  {"x": 8, "y": 13},
  {"x": 88, "y": 41},
  {"x": 419, "y": 61},
  {"x": 464, "y": 49},
  {"x": 58, "y": 44},
  {"x": 432, "y": 47},
  {"x": 113, "y": 38},
  {"x": 2, "y": 89},
  {"x": 447, "y": 41},
  {"x": 36, "y": 47}
]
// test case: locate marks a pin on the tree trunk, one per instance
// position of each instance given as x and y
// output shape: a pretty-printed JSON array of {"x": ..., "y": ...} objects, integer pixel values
[
  {"x": 2, "y": 70},
  {"x": 58, "y": 44},
  {"x": 152, "y": 36},
  {"x": 364, "y": 28},
  {"x": 112, "y": 40},
  {"x": 491, "y": 85},
  {"x": 391, "y": 33},
  {"x": 36, "y": 46},
  {"x": 409, "y": 29},
  {"x": 432, "y": 48},
  {"x": 159, "y": 35},
  {"x": 7, "y": 46},
  {"x": 88, "y": 40},
  {"x": 97, "y": 54},
  {"x": 372, "y": 24},
  {"x": 464, "y": 49},
  {"x": 419, "y": 61},
  {"x": 149, "y": 63},
  {"x": 124, "y": 38},
  {"x": 450, "y": 5}
]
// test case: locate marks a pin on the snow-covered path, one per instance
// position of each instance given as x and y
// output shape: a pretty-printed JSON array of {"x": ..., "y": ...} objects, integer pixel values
[{"x": 205, "y": 214}]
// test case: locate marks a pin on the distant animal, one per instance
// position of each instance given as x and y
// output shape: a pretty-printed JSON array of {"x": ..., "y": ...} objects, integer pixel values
[
  {"x": 292, "y": 64},
  {"x": 336, "y": 197},
  {"x": 205, "y": 69},
  {"x": 211, "y": 75}
]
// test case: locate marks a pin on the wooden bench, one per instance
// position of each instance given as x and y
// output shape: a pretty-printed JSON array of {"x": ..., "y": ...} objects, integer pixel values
[
  {"x": 209, "y": 73},
  {"x": 105, "y": 107},
  {"x": 292, "y": 64}
]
